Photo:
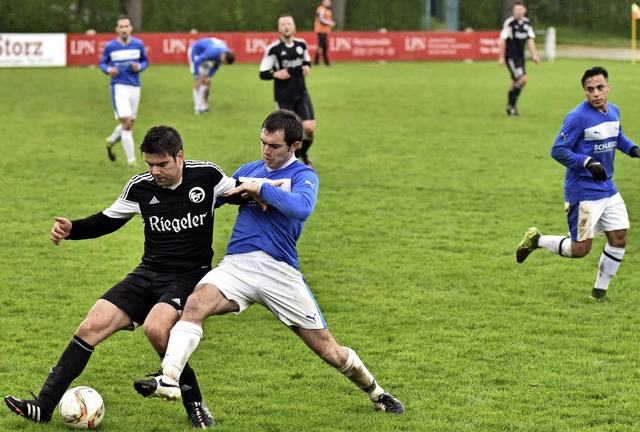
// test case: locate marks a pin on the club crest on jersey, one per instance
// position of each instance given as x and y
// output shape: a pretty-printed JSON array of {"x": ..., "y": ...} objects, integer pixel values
[{"x": 196, "y": 195}]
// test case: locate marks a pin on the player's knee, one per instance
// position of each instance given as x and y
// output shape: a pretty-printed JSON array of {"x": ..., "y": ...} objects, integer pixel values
[
  {"x": 158, "y": 336},
  {"x": 580, "y": 250}
]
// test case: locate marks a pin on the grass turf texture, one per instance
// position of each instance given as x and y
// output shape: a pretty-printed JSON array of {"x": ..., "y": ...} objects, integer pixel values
[{"x": 426, "y": 188}]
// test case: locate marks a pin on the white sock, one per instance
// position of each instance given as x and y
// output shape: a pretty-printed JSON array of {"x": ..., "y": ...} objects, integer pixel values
[
  {"x": 127, "y": 145},
  {"x": 115, "y": 135},
  {"x": 357, "y": 372},
  {"x": 608, "y": 267},
  {"x": 183, "y": 341},
  {"x": 555, "y": 243},
  {"x": 202, "y": 90},
  {"x": 196, "y": 101}
]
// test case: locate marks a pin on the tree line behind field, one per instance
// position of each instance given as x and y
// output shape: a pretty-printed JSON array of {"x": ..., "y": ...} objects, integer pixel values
[{"x": 609, "y": 18}]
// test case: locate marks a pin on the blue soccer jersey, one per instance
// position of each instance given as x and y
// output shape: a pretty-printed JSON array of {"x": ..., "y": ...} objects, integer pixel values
[
  {"x": 207, "y": 49},
  {"x": 588, "y": 132},
  {"x": 122, "y": 56},
  {"x": 277, "y": 230}
]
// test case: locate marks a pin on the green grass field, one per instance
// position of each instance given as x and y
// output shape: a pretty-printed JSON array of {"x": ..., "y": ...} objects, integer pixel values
[{"x": 426, "y": 188}]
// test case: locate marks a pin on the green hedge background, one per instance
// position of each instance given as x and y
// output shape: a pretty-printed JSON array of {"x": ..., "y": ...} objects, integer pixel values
[{"x": 609, "y": 18}]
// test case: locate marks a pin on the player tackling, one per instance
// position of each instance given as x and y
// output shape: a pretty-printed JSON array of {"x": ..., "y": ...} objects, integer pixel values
[
  {"x": 261, "y": 266},
  {"x": 586, "y": 145}
]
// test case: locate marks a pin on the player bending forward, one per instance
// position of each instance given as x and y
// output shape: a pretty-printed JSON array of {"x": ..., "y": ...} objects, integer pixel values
[{"x": 261, "y": 266}]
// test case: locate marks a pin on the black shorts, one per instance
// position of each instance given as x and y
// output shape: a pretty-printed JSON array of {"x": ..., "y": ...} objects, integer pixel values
[
  {"x": 516, "y": 67},
  {"x": 301, "y": 105},
  {"x": 143, "y": 288}
]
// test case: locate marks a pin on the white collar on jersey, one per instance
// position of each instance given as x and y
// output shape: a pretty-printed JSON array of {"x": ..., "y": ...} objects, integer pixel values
[
  {"x": 286, "y": 164},
  {"x": 174, "y": 186}
]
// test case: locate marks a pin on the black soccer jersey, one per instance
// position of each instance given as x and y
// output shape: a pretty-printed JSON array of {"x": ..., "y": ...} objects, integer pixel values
[
  {"x": 178, "y": 222},
  {"x": 516, "y": 33},
  {"x": 279, "y": 56}
]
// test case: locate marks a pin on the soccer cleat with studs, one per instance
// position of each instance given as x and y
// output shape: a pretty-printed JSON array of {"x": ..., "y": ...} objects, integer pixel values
[
  {"x": 387, "y": 403},
  {"x": 159, "y": 386},
  {"x": 528, "y": 244},
  {"x": 29, "y": 409},
  {"x": 199, "y": 415}
]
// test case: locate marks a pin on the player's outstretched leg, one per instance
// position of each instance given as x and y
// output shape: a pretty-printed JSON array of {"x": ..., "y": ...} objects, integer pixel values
[
  {"x": 528, "y": 244},
  {"x": 357, "y": 372}
]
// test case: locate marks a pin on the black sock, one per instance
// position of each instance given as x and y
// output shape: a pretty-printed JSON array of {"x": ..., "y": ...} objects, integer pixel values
[
  {"x": 70, "y": 365},
  {"x": 302, "y": 151},
  {"x": 189, "y": 386},
  {"x": 514, "y": 93}
]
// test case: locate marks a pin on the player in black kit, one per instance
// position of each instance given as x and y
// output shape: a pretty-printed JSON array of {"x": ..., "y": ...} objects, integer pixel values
[
  {"x": 516, "y": 32},
  {"x": 176, "y": 200},
  {"x": 286, "y": 62}
]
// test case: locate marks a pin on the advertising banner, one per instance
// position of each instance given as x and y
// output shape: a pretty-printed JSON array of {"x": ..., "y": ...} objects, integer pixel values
[
  {"x": 171, "y": 48},
  {"x": 33, "y": 50}
]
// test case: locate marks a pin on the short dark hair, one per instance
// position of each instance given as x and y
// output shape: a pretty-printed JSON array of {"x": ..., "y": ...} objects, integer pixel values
[
  {"x": 286, "y": 121},
  {"x": 162, "y": 140},
  {"x": 230, "y": 57},
  {"x": 596, "y": 70},
  {"x": 122, "y": 17}
]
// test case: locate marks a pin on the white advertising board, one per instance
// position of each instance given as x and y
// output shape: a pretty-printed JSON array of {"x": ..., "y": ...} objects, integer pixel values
[{"x": 33, "y": 49}]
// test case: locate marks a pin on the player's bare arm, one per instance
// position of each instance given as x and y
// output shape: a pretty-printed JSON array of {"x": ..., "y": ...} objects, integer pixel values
[
  {"x": 61, "y": 230},
  {"x": 532, "y": 50},
  {"x": 306, "y": 70}
]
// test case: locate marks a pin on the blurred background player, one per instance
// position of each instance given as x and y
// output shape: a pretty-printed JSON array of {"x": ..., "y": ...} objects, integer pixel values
[
  {"x": 205, "y": 57},
  {"x": 586, "y": 145},
  {"x": 322, "y": 27},
  {"x": 287, "y": 62},
  {"x": 123, "y": 59},
  {"x": 516, "y": 31}
]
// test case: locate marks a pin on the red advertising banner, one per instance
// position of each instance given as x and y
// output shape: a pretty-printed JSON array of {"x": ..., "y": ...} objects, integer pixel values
[{"x": 171, "y": 48}]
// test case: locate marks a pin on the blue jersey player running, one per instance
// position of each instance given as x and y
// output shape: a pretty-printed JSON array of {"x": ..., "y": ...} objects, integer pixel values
[
  {"x": 586, "y": 145},
  {"x": 205, "y": 57},
  {"x": 123, "y": 59},
  {"x": 261, "y": 266}
]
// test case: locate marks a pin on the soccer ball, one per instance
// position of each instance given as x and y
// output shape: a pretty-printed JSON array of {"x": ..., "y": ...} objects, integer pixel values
[{"x": 81, "y": 408}]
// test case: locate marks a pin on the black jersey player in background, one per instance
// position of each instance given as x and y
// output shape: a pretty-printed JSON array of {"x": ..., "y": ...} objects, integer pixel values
[
  {"x": 175, "y": 199},
  {"x": 286, "y": 62},
  {"x": 516, "y": 31}
]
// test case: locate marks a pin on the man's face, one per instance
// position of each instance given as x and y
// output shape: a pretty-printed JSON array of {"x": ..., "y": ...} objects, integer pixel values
[
  {"x": 596, "y": 89},
  {"x": 275, "y": 150},
  {"x": 124, "y": 29},
  {"x": 165, "y": 171},
  {"x": 519, "y": 11},
  {"x": 286, "y": 26}
]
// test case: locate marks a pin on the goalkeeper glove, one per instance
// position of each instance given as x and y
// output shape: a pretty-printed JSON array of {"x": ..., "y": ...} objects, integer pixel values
[
  {"x": 634, "y": 152},
  {"x": 597, "y": 170}
]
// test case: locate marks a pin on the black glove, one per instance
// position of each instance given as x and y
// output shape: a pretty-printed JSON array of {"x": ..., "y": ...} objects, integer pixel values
[
  {"x": 634, "y": 152},
  {"x": 597, "y": 170}
]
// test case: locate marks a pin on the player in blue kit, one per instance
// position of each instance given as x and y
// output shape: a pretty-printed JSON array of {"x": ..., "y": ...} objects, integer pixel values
[
  {"x": 586, "y": 145},
  {"x": 261, "y": 266},
  {"x": 123, "y": 59},
  {"x": 205, "y": 57}
]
